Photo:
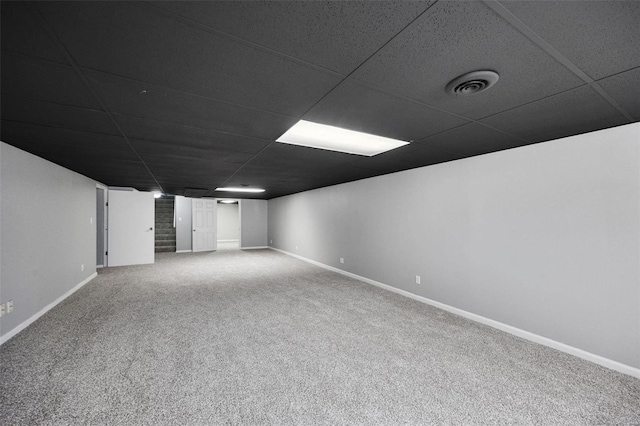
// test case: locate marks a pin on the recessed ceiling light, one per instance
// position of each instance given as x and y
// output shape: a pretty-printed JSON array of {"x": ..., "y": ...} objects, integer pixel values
[
  {"x": 322, "y": 136},
  {"x": 472, "y": 83},
  {"x": 239, "y": 189},
  {"x": 157, "y": 194}
]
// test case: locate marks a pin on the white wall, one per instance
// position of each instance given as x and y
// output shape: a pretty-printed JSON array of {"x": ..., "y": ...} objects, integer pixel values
[
  {"x": 253, "y": 216},
  {"x": 47, "y": 231},
  {"x": 545, "y": 238},
  {"x": 228, "y": 222}
]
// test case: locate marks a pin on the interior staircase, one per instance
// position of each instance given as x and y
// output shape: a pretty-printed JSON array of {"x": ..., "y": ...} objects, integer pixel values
[{"x": 164, "y": 230}]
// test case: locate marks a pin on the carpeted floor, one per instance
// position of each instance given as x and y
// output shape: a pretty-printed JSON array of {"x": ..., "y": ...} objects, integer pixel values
[{"x": 257, "y": 337}]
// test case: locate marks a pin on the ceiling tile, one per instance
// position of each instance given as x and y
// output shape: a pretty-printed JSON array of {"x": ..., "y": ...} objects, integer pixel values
[
  {"x": 623, "y": 88},
  {"x": 577, "y": 111},
  {"x": 284, "y": 159},
  {"x": 334, "y": 34},
  {"x": 45, "y": 81},
  {"x": 472, "y": 139},
  {"x": 454, "y": 38},
  {"x": 107, "y": 159},
  {"x": 200, "y": 158},
  {"x": 342, "y": 174},
  {"x": 141, "y": 100},
  {"x": 600, "y": 37},
  {"x": 20, "y": 134},
  {"x": 22, "y": 33},
  {"x": 53, "y": 115},
  {"x": 356, "y": 107},
  {"x": 406, "y": 157},
  {"x": 179, "y": 137},
  {"x": 123, "y": 38}
]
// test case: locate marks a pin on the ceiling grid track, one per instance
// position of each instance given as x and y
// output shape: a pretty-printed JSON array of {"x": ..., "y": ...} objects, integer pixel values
[
  {"x": 345, "y": 78},
  {"x": 49, "y": 30},
  {"x": 514, "y": 21},
  {"x": 184, "y": 92},
  {"x": 215, "y": 31},
  {"x": 453, "y": 114}
]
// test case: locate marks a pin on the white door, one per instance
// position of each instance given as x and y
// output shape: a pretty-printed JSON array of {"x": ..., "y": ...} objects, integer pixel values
[
  {"x": 131, "y": 220},
  {"x": 204, "y": 224}
]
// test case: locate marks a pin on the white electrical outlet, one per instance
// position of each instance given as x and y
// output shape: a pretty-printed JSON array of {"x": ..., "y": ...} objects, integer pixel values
[
  {"x": 91, "y": 220},
  {"x": 417, "y": 279},
  {"x": 2, "y": 310},
  {"x": 296, "y": 247},
  {"x": 270, "y": 241},
  {"x": 82, "y": 267},
  {"x": 342, "y": 260},
  {"x": 10, "y": 306}
]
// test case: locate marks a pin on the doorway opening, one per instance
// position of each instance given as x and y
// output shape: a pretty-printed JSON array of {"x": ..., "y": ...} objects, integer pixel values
[
  {"x": 228, "y": 226},
  {"x": 165, "y": 225}
]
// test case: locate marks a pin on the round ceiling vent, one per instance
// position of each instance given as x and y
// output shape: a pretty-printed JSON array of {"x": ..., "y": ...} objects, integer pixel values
[{"x": 471, "y": 83}]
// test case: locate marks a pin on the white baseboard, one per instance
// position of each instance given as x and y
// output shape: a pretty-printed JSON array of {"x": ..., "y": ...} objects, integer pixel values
[
  {"x": 228, "y": 241},
  {"x": 44, "y": 310},
  {"x": 183, "y": 251},
  {"x": 253, "y": 248},
  {"x": 597, "y": 359}
]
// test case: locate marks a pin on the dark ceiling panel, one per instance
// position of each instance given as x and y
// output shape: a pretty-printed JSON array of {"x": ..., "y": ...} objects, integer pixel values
[
  {"x": 405, "y": 157},
  {"x": 45, "y": 81},
  {"x": 107, "y": 159},
  {"x": 50, "y": 139},
  {"x": 142, "y": 100},
  {"x": 337, "y": 35},
  {"x": 123, "y": 38},
  {"x": 577, "y": 111},
  {"x": 53, "y": 115},
  {"x": 154, "y": 152},
  {"x": 22, "y": 33},
  {"x": 339, "y": 175},
  {"x": 177, "y": 137},
  {"x": 282, "y": 158},
  {"x": 458, "y": 37},
  {"x": 600, "y": 37},
  {"x": 472, "y": 139},
  {"x": 357, "y": 107},
  {"x": 624, "y": 88}
]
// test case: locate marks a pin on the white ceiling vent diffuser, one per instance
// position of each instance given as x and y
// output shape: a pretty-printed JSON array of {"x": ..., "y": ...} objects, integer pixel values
[{"x": 471, "y": 83}]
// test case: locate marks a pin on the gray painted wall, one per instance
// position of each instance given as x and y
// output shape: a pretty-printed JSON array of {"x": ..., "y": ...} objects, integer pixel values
[
  {"x": 544, "y": 238},
  {"x": 45, "y": 232},
  {"x": 183, "y": 223},
  {"x": 228, "y": 221},
  {"x": 253, "y": 214}
]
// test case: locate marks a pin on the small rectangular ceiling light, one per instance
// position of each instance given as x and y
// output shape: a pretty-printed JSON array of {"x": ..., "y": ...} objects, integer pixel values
[
  {"x": 314, "y": 135},
  {"x": 239, "y": 189}
]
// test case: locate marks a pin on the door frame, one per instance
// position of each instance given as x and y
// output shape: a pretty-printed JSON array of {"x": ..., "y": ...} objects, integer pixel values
[
  {"x": 105, "y": 223},
  {"x": 239, "y": 217}
]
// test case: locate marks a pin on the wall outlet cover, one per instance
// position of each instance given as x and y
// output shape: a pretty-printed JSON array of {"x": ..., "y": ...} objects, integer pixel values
[
  {"x": 2, "y": 310},
  {"x": 10, "y": 306},
  {"x": 417, "y": 279},
  {"x": 342, "y": 260}
]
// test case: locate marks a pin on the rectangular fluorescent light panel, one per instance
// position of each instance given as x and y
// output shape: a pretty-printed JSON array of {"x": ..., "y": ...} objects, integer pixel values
[
  {"x": 314, "y": 135},
  {"x": 239, "y": 189}
]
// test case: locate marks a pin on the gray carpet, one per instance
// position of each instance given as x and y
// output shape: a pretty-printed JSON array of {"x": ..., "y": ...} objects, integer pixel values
[{"x": 257, "y": 337}]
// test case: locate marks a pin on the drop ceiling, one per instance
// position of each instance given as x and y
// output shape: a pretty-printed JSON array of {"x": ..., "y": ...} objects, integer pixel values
[{"x": 185, "y": 97}]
